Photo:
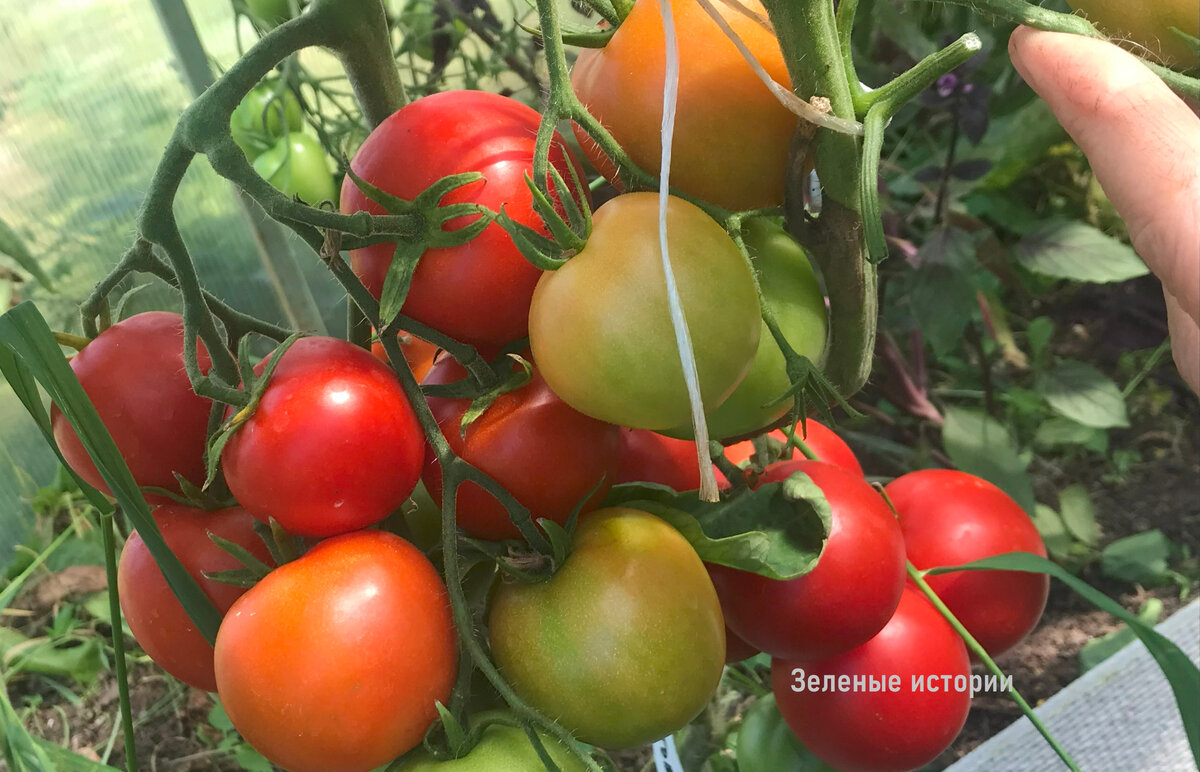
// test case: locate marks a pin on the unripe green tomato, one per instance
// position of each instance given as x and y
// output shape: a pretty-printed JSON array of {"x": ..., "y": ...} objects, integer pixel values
[
  {"x": 502, "y": 747},
  {"x": 625, "y": 644},
  {"x": 259, "y": 119},
  {"x": 600, "y": 326},
  {"x": 766, "y": 744},
  {"x": 296, "y": 165},
  {"x": 1148, "y": 23},
  {"x": 270, "y": 12},
  {"x": 790, "y": 287}
]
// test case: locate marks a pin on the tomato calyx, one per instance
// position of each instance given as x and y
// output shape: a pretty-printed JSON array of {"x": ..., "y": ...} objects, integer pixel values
[
  {"x": 190, "y": 495},
  {"x": 256, "y": 386},
  {"x": 567, "y": 236},
  {"x": 430, "y": 233},
  {"x": 516, "y": 379}
]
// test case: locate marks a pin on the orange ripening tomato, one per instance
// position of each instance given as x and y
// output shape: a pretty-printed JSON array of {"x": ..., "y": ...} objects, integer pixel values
[
  {"x": 417, "y": 352},
  {"x": 334, "y": 662},
  {"x": 820, "y": 439},
  {"x": 731, "y": 134}
]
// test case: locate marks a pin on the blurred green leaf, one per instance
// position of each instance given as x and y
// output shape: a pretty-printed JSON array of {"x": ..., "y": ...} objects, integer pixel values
[
  {"x": 1138, "y": 559},
  {"x": 1068, "y": 249},
  {"x": 1083, "y": 394},
  {"x": 1057, "y": 431},
  {"x": 1054, "y": 532},
  {"x": 766, "y": 744},
  {"x": 1078, "y": 514},
  {"x": 1099, "y": 649},
  {"x": 12, "y": 246},
  {"x": 980, "y": 445},
  {"x": 83, "y": 661},
  {"x": 1038, "y": 335}
]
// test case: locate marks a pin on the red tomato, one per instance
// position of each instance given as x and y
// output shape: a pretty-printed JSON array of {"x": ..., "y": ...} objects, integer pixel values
[
  {"x": 156, "y": 618},
  {"x": 418, "y": 353},
  {"x": 647, "y": 456},
  {"x": 335, "y": 660},
  {"x": 949, "y": 518},
  {"x": 881, "y": 731},
  {"x": 841, "y": 603},
  {"x": 544, "y": 452},
  {"x": 650, "y": 457},
  {"x": 736, "y": 649},
  {"x": 133, "y": 373},
  {"x": 820, "y": 439},
  {"x": 333, "y": 446},
  {"x": 479, "y": 292}
]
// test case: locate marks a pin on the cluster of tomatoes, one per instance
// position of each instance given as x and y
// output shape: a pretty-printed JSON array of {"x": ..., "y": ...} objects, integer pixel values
[{"x": 336, "y": 658}]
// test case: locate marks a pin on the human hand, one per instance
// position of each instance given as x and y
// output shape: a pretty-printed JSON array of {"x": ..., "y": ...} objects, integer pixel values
[{"x": 1143, "y": 143}]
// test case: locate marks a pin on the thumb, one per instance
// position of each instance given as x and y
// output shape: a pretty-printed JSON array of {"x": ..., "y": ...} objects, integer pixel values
[{"x": 1143, "y": 143}]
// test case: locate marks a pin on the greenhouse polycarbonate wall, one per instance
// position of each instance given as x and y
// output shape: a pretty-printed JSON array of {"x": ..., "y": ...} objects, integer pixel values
[{"x": 89, "y": 94}]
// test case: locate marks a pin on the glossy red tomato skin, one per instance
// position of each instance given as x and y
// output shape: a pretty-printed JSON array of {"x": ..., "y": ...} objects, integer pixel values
[
  {"x": 333, "y": 446},
  {"x": 820, "y": 439},
  {"x": 478, "y": 292},
  {"x": 333, "y": 662},
  {"x": 543, "y": 451},
  {"x": 882, "y": 731},
  {"x": 650, "y": 457},
  {"x": 949, "y": 518},
  {"x": 847, "y": 598},
  {"x": 133, "y": 373},
  {"x": 155, "y": 617},
  {"x": 647, "y": 456}
]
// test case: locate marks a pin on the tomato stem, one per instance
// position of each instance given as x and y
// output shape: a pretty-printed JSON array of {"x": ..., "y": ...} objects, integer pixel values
[
  {"x": 118, "y": 638},
  {"x": 918, "y": 578},
  {"x": 1035, "y": 16}
]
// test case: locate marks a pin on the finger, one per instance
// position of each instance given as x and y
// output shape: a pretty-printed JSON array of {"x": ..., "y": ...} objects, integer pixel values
[
  {"x": 1185, "y": 342},
  {"x": 1142, "y": 141}
]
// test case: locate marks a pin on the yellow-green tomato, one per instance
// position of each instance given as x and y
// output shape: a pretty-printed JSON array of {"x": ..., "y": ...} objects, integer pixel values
[
  {"x": 262, "y": 117},
  {"x": 1148, "y": 23},
  {"x": 790, "y": 288},
  {"x": 296, "y": 165},
  {"x": 625, "y": 643},
  {"x": 502, "y": 748},
  {"x": 600, "y": 326}
]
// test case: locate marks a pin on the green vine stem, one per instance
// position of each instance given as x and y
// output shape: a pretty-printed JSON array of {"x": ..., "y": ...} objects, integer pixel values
[
  {"x": 808, "y": 36},
  {"x": 1035, "y": 16},
  {"x": 918, "y": 578},
  {"x": 118, "y": 638}
]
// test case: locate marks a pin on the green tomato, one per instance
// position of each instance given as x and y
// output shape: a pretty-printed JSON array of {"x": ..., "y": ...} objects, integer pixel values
[
  {"x": 297, "y": 165},
  {"x": 502, "y": 747},
  {"x": 790, "y": 287},
  {"x": 270, "y": 12},
  {"x": 260, "y": 118},
  {"x": 1148, "y": 23},
  {"x": 766, "y": 744},
  {"x": 625, "y": 644},
  {"x": 600, "y": 326}
]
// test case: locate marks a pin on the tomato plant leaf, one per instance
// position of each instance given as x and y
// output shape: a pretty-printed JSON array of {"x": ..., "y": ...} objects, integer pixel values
[
  {"x": 82, "y": 662},
  {"x": 1084, "y": 394},
  {"x": 1057, "y": 431},
  {"x": 1067, "y": 249},
  {"x": 28, "y": 352},
  {"x": 1181, "y": 673},
  {"x": 766, "y": 744},
  {"x": 981, "y": 446},
  {"x": 1054, "y": 533},
  {"x": 777, "y": 530},
  {"x": 1099, "y": 649},
  {"x": 1138, "y": 559},
  {"x": 13, "y": 246},
  {"x": 1078, "y": 514}
]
